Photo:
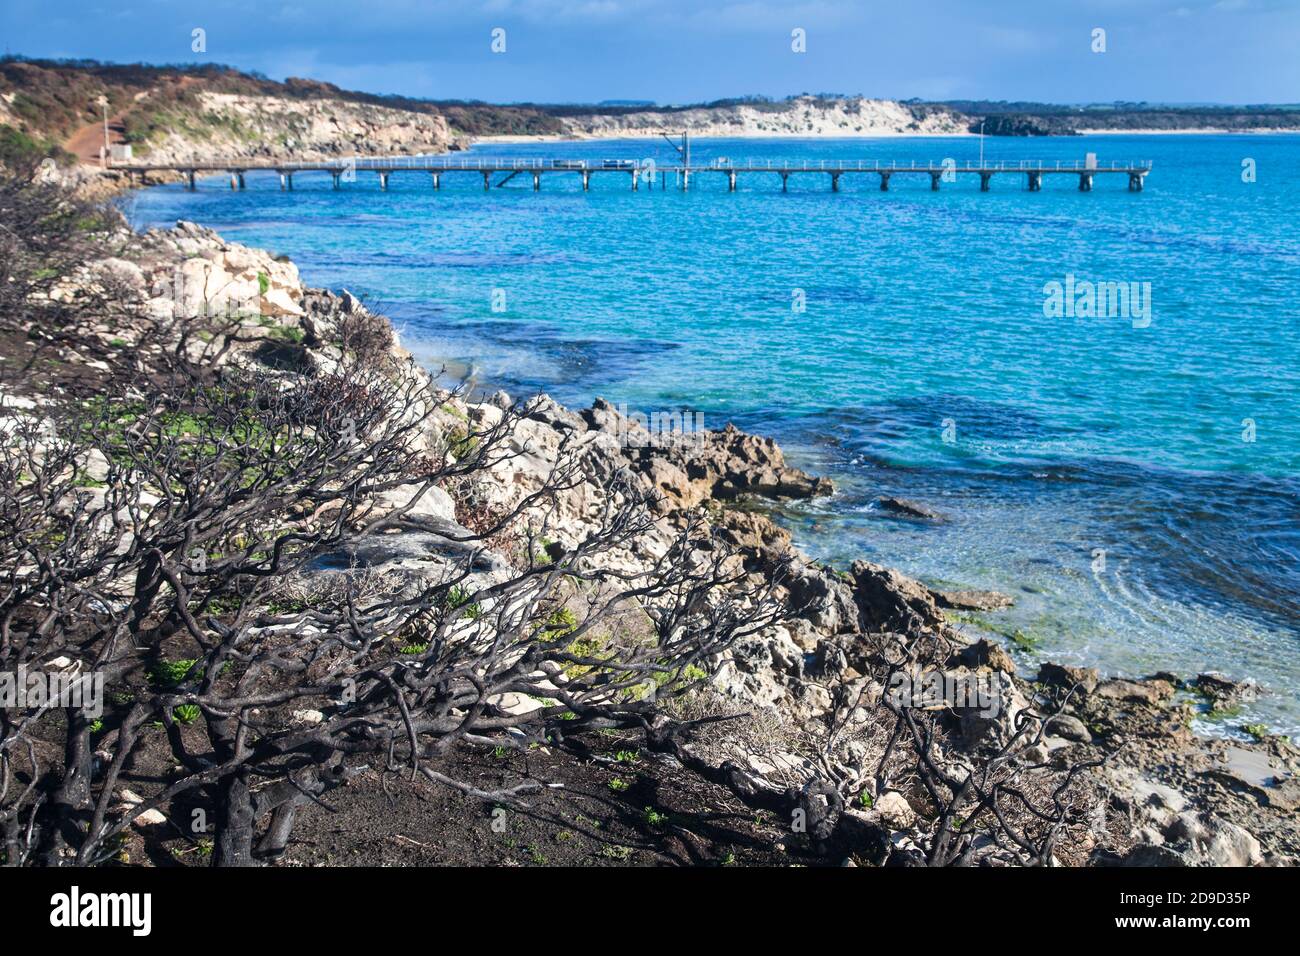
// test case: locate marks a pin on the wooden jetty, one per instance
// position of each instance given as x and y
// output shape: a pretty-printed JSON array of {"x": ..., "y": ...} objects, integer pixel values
[{"x": 681, "y": 173}]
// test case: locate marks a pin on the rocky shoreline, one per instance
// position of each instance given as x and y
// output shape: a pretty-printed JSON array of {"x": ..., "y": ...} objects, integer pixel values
[{"x": 810, "y": 691}]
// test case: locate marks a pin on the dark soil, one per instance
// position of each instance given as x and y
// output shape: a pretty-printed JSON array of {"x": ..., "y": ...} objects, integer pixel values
[{"x": 603, "y": 804}]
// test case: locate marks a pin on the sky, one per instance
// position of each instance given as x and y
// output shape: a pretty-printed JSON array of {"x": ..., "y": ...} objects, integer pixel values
[{"x": 680, "y": 51}]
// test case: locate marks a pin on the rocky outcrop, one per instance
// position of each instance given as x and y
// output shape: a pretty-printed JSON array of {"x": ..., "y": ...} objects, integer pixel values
[{"x": 690, "y": 467}]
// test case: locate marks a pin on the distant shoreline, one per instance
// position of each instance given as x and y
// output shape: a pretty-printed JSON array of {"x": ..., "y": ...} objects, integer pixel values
[{"x": 765, "y": 134}]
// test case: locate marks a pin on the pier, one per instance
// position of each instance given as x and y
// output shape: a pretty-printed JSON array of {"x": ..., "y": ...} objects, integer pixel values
[{"x": 496, "y": 172}]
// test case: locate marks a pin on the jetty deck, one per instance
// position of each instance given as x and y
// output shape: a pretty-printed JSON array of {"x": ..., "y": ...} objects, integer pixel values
[{"x": 503, "y": 170}]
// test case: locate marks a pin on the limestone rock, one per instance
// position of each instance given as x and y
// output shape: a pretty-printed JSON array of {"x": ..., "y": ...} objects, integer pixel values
[
  {"x": 894, "y": 811},
  {"x": 1065, "y": 676},
  {"x": 890, "y": 600}
]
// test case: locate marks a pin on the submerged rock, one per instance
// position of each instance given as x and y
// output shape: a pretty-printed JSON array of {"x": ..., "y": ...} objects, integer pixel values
[
  {"x": 973, "y": 600},
  {"x": 909, "y": 509}
]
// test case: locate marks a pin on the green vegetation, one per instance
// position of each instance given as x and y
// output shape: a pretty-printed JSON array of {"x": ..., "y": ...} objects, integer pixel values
[
  {"x": 19, "y": 150},
  {"x": 1257, "y": 731},
  {"x": 619, "y": 785},
  {"x": 289, "y": 334},
  {"x": 186, "y": 713},
  {"x": 461, "y": 443},
  {"x": 1025, "y": 642},
  {"x": 458, "y": 599},
  {"x": 167, "y": 674},
  {"x": 559, "y": 625}
]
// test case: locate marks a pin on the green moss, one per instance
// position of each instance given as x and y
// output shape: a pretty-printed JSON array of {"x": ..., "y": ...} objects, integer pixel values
[
  {"x": 1023, "y": 641},
  {"x": 462, "y": 444},
  {"x": 1258, "y": 731}
]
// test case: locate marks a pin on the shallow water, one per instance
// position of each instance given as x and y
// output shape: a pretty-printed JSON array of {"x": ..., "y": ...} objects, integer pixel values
[{"x": 1095, "y": 468}]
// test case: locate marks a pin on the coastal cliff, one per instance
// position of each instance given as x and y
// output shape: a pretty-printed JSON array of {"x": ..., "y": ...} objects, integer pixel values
[{"x": 798, "y": 116}]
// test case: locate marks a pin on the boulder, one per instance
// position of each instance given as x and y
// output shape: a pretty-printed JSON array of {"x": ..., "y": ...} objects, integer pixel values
[
  {"x": 1152, "y": 692},
  {"x": 546, "y": 410},
  {"x": 1225, "y": 693},
  {"x": 433, "y": 503},
  {"x": 754, "y": 534},
  {"x": 1069, "y": 727},
  {"x": 1213, "y": 841},
  {"x": 893, "y": 810},
  {"x": 890, "y": 600},
  {"x": 985, "y": 653},
  {"x": 820, "y": 596},
  {"x": 1065, "y": 676}
]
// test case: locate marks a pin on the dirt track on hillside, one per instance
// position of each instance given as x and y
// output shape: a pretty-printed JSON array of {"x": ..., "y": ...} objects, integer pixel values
[{"x": 86, "y": 142}]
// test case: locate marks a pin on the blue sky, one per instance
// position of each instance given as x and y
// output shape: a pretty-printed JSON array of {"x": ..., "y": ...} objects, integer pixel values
[{"x": 672, "y": 51}]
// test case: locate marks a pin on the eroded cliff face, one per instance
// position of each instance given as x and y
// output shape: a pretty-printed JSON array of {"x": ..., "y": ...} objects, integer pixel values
[
  {"x": 265, "y": 127},
  {"x": 804, "y": 116}
]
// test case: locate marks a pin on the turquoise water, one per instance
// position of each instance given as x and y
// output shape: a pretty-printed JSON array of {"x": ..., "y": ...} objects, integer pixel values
[{"x": 1095, "y": 468}]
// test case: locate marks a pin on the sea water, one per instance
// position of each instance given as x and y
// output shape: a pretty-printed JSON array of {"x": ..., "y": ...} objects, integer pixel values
[{"x": 1130, "y": 473}]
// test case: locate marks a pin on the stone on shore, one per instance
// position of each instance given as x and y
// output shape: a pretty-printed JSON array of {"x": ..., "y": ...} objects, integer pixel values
[{"x": 1065, "y": 676}]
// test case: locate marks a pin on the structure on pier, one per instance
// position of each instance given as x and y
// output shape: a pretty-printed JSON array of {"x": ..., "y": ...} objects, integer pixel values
[{"x": 682, "y": 172}]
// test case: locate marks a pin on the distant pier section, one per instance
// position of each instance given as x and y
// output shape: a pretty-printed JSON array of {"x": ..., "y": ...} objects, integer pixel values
[{"x": 499, "y": 171}]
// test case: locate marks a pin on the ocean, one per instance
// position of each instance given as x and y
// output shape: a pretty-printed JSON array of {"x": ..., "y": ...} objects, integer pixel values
[{"x": 1130, "y": 474}]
